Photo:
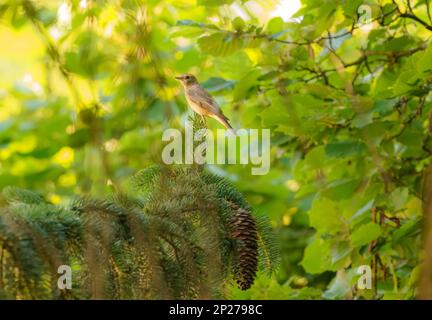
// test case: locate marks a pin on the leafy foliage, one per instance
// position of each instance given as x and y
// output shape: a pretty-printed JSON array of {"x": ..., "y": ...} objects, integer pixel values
[{"x": 346, "y": 96}]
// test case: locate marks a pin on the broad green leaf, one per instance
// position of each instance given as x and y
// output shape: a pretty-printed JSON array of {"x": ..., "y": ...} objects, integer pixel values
[
  {"x": 242, "y": 87},
  {"x": 398, "y": 198},
  {"x": 362, "y": 120},
  {"x": 340, "y": 254},
  {"x": 187, "y": 31},
  {"x": 220, "y": 44},
  {"x": 406, "y": 82},
  {"x": 411, "y": 138},
  {"x": 340, "y": 189},
  {"x": 344, "y": 148},
  {"x": 326, "y": 216},
  {"x": 238, "y": 24},
  {"x": 314, "y": 158},
  {"x": 275, "y": 25},
  {"x": 384, "y": 84},
  {"x": 384, "y": 107},
  {"x": 398, "y": 44},
  {"x": 316, "y": 256},
  {"x": 365, "y": 234},
  {"x": 425, "y": 63},
  {"x": 409, "y": 229}
]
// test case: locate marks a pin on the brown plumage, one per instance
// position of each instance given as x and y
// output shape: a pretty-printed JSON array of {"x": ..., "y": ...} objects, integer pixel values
[{"x": 201, "y": 101}]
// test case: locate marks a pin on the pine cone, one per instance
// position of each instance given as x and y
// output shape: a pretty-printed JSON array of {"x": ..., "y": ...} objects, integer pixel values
[{"x": 244, "y": 230}]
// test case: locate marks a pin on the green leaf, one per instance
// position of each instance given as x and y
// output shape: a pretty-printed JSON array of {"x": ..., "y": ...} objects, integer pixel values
[
  {"x": 406, "y": 82},
  {"x": 316, "y": 256},
  {"x": 365, "y": 234},
  {"x": 314, "y": 158},
  {"x": 362, "y": 120},
  {"x": 277, "y": 113},
  {"x": 425, "y": 62},
  {"x": 398, "y": 44},
  {"x": 411, "y": 138},
  {"x": 219, "y": 44},
  {"x": 340, "y": 189},
  {"x": 326, "y": 216},
  {"x": 384, "y": 84},
  {"x": 408, "y": 229},
  {"x": 398, "y": 198},
  {"x": 275, "y": 25},
  {"x": 238, "y": 24},
  {"x": 300, "y": 53},
  {"x": 340, "y": 254},
  {"x": 243, "y": 86},
  {"x": 344, "y": 148},
  {"x": 79, "y": 138},
  {"x": 384, "y": 107},
  {"x": 187, "y": 32}
]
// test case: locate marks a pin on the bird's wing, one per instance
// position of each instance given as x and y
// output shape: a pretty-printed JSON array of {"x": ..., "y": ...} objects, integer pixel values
[{"x": 201, "y": 97}]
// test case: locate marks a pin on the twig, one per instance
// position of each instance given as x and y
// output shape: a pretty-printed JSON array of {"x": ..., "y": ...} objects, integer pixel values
[
  {"x": 415, "y": 18},
  {"x": 405, "y": 124},
  {"x": 428, "y": 11},
  {"x": 411, "y": 15}
]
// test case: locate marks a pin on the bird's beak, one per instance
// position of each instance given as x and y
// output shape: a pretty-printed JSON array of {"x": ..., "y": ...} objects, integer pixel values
[{"x": 179, "y": 78}]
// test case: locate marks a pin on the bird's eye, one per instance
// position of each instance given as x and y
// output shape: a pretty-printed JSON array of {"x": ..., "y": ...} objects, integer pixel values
[{"x": 187, "y": 77}]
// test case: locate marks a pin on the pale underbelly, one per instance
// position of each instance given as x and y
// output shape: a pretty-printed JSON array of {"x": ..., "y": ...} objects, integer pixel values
[{"x": 197, "y": 108}]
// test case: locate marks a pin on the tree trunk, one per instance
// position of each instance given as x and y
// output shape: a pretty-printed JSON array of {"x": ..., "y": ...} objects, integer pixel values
[{"x": 425, "y": 281}]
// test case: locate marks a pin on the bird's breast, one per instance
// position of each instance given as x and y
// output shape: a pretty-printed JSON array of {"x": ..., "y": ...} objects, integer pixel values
[{"x": 196, "y": 107}]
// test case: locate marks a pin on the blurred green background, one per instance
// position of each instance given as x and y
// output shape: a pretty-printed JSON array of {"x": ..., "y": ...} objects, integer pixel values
[{"x": 87, "y": 88}]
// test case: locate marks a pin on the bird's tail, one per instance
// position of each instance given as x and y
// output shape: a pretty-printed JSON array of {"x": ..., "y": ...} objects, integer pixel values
[{"x": 224, "y": 121}]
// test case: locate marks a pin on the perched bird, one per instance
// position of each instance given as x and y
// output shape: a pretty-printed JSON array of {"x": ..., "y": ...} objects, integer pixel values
[{"x": 201, "y": 101}]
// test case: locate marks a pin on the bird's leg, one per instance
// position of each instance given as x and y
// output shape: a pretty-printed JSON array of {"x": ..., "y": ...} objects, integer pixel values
[{"x": 204, "y": 119}]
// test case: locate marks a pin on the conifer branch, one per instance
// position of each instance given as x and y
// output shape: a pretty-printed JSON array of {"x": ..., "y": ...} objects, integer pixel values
[{"x": 184, "y": 235}]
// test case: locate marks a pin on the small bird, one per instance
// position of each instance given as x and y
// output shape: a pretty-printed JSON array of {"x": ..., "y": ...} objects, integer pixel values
[{"x": 201, "y": 101}]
